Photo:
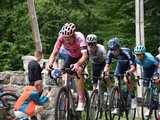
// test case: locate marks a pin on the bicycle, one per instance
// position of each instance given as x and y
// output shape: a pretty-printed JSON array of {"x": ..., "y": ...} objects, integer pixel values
[
  {"x": 150, "y": 101},
  {"x": 121, "y": 102},
  {"x": 8, "y": 97},
  {"x": 98, "y": 102},
  {"x": 66, "y": 102}
]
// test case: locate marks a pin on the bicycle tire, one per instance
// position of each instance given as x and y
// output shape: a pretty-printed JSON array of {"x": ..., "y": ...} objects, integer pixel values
[
  {"x": 131, "y": 111},
  {"x": 114, "y": 102},
  {"x": 94, "y": 106},
  {"x": 62, "y": 106},
  {"x": 146, "y": 107},
  {"x": 107, "y": 108},
  {"x": 8, "y": 100}
]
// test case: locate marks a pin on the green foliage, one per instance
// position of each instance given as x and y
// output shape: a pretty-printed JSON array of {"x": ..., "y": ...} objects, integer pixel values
[{"x": 106, "y": 18}]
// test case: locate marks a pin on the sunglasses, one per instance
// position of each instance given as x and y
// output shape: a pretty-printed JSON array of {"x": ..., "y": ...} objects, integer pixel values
[{"x": 91, "y": 44}]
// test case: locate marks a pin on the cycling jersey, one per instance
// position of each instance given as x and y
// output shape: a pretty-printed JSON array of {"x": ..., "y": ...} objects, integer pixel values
[
  {"x": 97, "y": 56},
  {"x": 148, "y": 61},
  {"x": 27, "y": 102},
  {"x": 74, "y": 49},
  {"x": 124, "y": 60},
  {"x": 149, "y": 66}
]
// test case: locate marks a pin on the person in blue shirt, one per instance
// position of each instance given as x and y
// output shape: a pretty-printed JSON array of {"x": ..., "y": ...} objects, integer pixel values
[
  {"x": 147, "y": 61},
  {"x": 125, "y": 65},
  {"x": 124, "y": 57}
]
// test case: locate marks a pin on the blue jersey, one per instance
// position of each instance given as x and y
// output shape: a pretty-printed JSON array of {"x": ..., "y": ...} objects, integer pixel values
[
  {"x": 148, "y": 61},
  {"x": 125, "y": 57},
  {"x": 124, "y": 60}
]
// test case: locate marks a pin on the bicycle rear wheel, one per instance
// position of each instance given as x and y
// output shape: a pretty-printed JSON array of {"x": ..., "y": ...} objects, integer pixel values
[
  {"x": 62, "y": 107},
  {"x": 7, "y": 101},
  {"x": 94, "y": 106}
]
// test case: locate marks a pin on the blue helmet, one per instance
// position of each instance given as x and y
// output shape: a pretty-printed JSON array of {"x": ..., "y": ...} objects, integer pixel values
[
  {"x": 139, "y": 49},
  {"x": 113, "y": 43}
]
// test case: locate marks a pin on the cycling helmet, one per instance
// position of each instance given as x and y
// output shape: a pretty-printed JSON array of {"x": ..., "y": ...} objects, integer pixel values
[
  {"x": 69, "y": 29},
  {"x": 139, "y": 49},
  {"x": 91, "y": 38},
  {"x": 62, "y": 29},
  {"x": 113, "y": 43}
]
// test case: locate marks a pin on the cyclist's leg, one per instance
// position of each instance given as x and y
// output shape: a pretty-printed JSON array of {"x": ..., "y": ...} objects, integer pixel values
[
  {"x": 96, "y": 73},
  {"x": 79, "y": 82}
]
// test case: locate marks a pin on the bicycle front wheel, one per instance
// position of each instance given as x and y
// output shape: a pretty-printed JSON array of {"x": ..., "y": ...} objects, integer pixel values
[
  {"x": 115, "y": 104},
  {"x": 62, "y": 107},
  {"x": 148, "y": 110},
  {"x": 7, "y": 101},
  {"x": 94, "y": 106}
]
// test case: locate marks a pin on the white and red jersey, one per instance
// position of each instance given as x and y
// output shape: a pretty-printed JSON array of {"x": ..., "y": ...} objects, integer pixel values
[{"x": 74, "y": 49}]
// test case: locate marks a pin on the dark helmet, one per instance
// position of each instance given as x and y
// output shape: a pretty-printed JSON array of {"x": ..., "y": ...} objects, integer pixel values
[{"x": 113, "y": 43}]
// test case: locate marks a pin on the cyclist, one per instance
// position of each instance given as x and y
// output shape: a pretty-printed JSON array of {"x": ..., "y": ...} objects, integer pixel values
[
  {"x": 25, "y": 106},
  {"x": 97, "y": 54},
  {"x": 149, "y": 64},
  {"x": 125, "y": 62},
  {"x": 76, "y": 45},
  {"x": 147, "y": 61}
]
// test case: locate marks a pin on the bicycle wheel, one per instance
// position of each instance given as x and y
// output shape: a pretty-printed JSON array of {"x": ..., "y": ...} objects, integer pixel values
[
  {"x": 130, "y": 112},
  {"x": 147, "y": 111},
  {"x": 83, "y": 115},
  {"x": 8, "y": 100},
  {"x": 106, "y": 108},
  {"x": 115, "y": 104},
  {"x": 94, "y": 106},
  {"x": 62, "y": 107}
]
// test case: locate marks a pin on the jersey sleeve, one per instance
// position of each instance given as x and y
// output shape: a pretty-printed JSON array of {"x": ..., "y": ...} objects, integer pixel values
[
  {"x": 82, "y": 42},
  {"x": 109, "y": 57}
]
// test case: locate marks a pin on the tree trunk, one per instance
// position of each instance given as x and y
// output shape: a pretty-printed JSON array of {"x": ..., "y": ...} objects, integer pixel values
[{"x": 35, "y": 28}]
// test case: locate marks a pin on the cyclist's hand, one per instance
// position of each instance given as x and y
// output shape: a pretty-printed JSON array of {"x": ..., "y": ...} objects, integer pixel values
[
  {"x": 128, "y": 73},
  {"x": 157, "y": 82},
  {"x": 49, "y": 69},
  {"x": 105, "y": 75},
  {"x": 75, "y": 67}
]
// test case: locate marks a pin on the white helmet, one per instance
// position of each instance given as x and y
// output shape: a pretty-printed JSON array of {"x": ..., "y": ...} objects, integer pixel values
[
  {"x": 68, "y": 29},
  {"x": 91, "y": 38}
]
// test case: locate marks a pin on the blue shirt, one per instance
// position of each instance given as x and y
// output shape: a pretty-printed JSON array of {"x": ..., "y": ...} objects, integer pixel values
[
  {"x": 148, "y": 61},
  {"x": 125, "y": 57}
]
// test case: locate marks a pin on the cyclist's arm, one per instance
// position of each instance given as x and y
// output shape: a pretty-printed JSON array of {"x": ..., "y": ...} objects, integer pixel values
[
  {"x": 107, "y": 69},
  {"x": 83, "y": 58},
  {"x": 108, "y": 61},
  {"x": 55, "y": 51},
  {"x": 52, "y": 57}
]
